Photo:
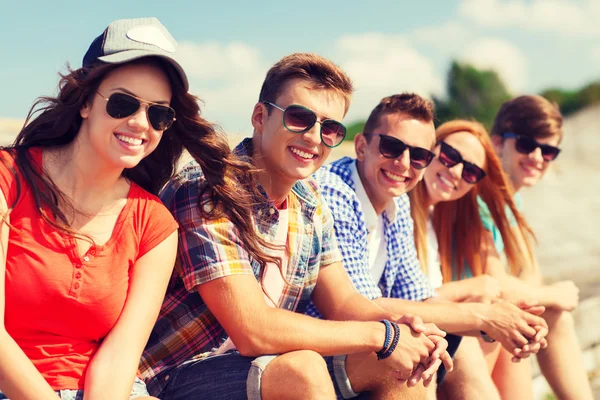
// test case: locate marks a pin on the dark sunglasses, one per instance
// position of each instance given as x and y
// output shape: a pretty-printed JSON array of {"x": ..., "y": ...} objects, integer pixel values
[
  {"x": 390, "y": 147},
  {"x": 449, "y": 157},
  {"x": 526, "y": 145},
  {"x": 122, "y": 105},
  {"x": 299, "y": 119}
]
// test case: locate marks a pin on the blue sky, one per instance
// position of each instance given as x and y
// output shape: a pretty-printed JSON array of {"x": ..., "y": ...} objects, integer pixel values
[{"x": 385, "y": 46}]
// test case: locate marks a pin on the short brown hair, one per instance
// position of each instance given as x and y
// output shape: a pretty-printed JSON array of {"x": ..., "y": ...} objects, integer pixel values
[
  {"x": 405, "y": 103},
  {"x": 313, "y": 68},
  {"x": 531, "y": 115}
]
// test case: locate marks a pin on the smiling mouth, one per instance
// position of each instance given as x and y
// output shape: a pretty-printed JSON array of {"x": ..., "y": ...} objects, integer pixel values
[
  {"x": 395, "y": 177},
  {"x": 531, "y": 170},
  {"x": 129, "y": 140},
  {"x": 303, "y": 154},
  {"x": 446, "y": 182}
]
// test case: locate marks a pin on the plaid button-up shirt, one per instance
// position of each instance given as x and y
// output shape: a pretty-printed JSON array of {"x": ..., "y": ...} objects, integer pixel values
[
  {"x": 402, "y": 277},
  {"x": 208, "y": 250}
]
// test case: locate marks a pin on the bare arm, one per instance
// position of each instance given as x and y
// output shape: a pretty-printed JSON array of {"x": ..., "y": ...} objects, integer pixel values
[
  {"x": 238, "y": 304},
  {"x": 458, "y": 318},
  {"x": 113, "y": 368},
  {"x": 19, "y": 379}
]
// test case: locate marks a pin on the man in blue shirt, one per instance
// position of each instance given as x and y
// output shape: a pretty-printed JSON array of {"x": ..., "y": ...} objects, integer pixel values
[{"x": 374, "y": 229}]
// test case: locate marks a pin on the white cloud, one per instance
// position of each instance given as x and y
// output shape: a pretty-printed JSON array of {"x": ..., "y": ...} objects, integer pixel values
[
  {"x": 560, "y": 16},
  {"x": 446, "y": 37},
  {"x": 381, "y": 65},
  {"x": 497, "y": 54},
  {"x": 227, "y": 77}
]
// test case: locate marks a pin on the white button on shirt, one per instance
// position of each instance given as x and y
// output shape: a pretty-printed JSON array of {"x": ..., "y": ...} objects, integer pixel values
[{"x": 377, "y": 244}]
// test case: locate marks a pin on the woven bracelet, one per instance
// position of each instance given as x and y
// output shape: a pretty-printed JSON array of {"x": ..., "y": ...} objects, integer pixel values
[
  {"x": 388, "y": 338},
  {"x": 388, "y": 352}
]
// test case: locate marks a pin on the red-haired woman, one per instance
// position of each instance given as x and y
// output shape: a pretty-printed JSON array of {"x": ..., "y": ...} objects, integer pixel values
[{"x": 451, "y": 240}]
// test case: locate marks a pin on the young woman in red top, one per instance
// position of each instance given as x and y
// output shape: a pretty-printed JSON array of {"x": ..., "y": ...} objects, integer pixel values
[{"x": 87, "y": 250}]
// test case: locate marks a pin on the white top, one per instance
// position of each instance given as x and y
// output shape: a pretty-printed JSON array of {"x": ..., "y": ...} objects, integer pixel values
[
  {"x": 434, "y": 266},
  {"x": 273, "y": 282},
  {"x": 377, "y": 244}
]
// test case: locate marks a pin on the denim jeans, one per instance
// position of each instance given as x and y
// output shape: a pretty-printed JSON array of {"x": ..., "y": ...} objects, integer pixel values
[
  {"x": 138, "y": 390},
  {"x": 231, "y": 376}
]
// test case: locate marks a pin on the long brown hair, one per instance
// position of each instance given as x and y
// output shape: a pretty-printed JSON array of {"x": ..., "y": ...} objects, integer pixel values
[
  {"x": 457, "y": 223},
  {"x": 54, "y": 122}
]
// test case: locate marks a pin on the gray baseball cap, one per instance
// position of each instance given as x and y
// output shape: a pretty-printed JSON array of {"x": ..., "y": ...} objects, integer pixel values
[{"x": 126, "y": 40}]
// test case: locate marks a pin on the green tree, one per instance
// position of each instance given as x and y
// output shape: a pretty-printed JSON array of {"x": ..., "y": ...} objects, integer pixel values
[
  {"x": 354, "y": 129},
  {"x": 472, "y": 94}
]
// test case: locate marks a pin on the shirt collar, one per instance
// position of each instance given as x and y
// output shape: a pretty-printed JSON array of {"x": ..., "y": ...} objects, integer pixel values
[
  {"x": 308, "y": 197},
  {"x": 371, "y": 217}
]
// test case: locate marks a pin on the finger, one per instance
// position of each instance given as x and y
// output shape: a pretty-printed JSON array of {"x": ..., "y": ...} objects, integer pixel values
[
  {"x": 541, "y": 333},
  {"x": 446, "y": 358},
  {"x": 544, "y": 343},
  {"x": 415, "y": 322},
  {"x": 432, "y": 369},
  {"x": 534, "y": 348},
  {"x": 537, "y": 310},
  {"x": 518, "y": 339},
  {"x": 416, "y": 376},
  {"x": 430, "y": 345},
  {"x": 441, "y": 345},
  {"x": 526, "y": 303},
  {"x": 432, "y": 329},
  {"x": 534, "y": 320},
  {"x": 527, "y": 330}
]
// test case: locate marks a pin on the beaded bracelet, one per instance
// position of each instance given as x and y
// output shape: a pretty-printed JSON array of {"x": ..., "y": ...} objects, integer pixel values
[
  {"x": 388, "y": 337},
  {"x": 389, "y": 350}
]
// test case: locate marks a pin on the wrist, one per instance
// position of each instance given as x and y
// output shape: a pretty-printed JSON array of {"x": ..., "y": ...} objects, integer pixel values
[
  {"x": 477, "y": 315},
  {"x": 377, "y": 336}
]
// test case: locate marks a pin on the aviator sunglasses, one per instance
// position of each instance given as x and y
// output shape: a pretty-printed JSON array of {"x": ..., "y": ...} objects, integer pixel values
[
  {"x": 122, "y": 105},
  {"x": 390, "y": 147},
  {"x": 299, "y": 119},
  {"x": 449, "y": 157},
  {"x": 526, "y": 145}
]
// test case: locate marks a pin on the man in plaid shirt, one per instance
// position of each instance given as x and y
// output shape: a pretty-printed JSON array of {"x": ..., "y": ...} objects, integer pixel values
[
  {"x": 374, "y": 228},
  {"x": 231, "y": 328}
]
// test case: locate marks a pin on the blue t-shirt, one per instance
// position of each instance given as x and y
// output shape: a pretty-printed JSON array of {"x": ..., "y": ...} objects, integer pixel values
[
  {"x": 489, "y": 225},
  {"x": 488, "y": 221}
]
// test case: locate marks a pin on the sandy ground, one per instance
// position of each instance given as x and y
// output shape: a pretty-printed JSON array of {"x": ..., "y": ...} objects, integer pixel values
[{"x": 564, "y": 209}]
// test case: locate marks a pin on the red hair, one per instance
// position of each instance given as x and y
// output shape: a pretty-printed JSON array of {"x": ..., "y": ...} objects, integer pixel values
[{"x": 457, "y": 223}]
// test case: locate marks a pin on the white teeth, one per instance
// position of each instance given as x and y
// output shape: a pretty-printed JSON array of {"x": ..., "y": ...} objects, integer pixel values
[
  {"x": 446, "y": 181},
  {"x": 130, "y": 140},
  {"x": 302, "y": 154},
  {"x": 394, "y": 177}
]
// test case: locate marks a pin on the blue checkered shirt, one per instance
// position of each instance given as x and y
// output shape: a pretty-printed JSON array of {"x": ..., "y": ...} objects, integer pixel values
[{"x": 402, "y": 277}]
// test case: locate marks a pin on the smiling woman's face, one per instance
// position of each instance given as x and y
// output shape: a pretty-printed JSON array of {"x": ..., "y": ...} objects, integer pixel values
[
  {"x": 446, "y": 184},
  {"x": 124, "y": 142}
]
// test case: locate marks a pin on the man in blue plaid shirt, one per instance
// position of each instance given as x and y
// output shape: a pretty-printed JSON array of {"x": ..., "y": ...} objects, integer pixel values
[{"x": 375, "y": 232}]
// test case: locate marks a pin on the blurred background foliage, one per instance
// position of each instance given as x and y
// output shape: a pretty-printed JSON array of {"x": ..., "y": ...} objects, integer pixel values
[{"x": 477, "y": 94}]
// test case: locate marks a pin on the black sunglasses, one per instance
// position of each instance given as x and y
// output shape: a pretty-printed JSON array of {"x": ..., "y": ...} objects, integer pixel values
[
  {"x": 449, "y": 157},
  {"x": 122, "y": 105},
  {"x": 526, "y": 145},
  {"x": 390, "y": 147},
  {"x": 299, "y": 119}
]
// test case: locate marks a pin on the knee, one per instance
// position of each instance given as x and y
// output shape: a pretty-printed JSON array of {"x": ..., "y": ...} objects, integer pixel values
[
  {"x": 559, "y": 320},
  {"x": 299, "y": 374}
]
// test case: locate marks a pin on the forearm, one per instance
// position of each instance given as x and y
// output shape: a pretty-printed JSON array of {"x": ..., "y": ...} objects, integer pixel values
[
  {"x": 454, "y": 291},
  {"x": 458, "y": 318},
  {"x": 276, "y": 331},
  {"x": 19, "y": 379},
  {"x": 111, "y": 373}
]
